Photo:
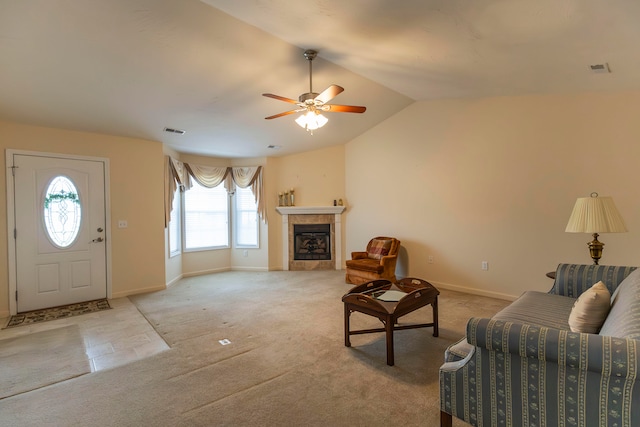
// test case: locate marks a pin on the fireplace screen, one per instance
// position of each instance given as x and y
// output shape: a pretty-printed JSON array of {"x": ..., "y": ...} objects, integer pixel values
[{"x": 312, "y": 241}]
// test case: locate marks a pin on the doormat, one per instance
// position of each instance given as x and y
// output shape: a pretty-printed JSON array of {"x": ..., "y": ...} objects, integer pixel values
[{"x": 31, "y": 317}]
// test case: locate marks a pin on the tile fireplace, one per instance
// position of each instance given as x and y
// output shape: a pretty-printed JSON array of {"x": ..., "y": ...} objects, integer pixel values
[{"x": 311, "y": 237}]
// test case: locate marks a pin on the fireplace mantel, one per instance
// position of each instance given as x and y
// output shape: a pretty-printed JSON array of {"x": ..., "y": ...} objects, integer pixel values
[
  {"x": 336, "y": 211},
  {"x": 309, "y": 210}
]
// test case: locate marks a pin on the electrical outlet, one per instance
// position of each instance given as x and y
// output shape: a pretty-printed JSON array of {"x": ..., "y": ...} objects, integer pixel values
[
  {"x": 122, "y": 223},
  {"x": 485, "y": 265},
  {"x": 245, "y": 253},
  {"x": 430, "y": 259}
]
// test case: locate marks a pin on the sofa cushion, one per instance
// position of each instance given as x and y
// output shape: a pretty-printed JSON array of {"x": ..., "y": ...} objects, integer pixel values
[
  {"x": 590, "y": 309},
  {"x": 379, "y": 248},
  {"x": 539, "y": 308},
  {"x": 624, "y": 317}
]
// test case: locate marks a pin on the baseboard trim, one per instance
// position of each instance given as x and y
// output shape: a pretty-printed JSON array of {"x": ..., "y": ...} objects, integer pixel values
[
  {"x": 175, "y": 280},
  {"x": 257, "y": 269},
  {"x": 137, "y": 291},
  {"x": 203, "y": 272},
  {"x": 473, "y": 291}
]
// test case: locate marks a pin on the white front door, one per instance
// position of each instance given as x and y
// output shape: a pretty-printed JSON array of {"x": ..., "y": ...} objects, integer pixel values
[{"x": 60, "y": 222}]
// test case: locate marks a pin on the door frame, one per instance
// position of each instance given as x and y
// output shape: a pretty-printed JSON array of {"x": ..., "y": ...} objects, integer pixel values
[{"x": 11, "y": 217}]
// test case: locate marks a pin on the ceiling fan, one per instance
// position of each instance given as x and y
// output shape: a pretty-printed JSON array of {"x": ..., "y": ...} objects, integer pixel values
[{"x": 312, "y": 104}]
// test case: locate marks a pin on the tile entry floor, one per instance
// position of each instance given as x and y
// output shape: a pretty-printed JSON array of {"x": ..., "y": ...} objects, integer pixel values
[{"x": 111, "y": 337}]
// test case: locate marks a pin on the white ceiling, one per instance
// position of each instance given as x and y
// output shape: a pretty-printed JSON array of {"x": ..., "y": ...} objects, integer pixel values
[{"x": 134, "y": 67}]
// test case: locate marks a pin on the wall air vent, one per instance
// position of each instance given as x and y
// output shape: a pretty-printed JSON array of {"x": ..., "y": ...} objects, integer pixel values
[
  {"x": 600, "y": 68},
  {"x": 178, "y": 131}
]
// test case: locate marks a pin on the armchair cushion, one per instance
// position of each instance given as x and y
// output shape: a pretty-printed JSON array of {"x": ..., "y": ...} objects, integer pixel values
[
  {"x": 366, "y": 264},
  {"x": 379, "y": 248},
  {"x": 590, "y": 309}
]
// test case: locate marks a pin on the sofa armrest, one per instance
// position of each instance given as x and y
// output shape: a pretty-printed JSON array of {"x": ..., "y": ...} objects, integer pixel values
[
  {"x": 521, "y": 374},
  {"x": 457, "y": 364},
  {"x": 604, "y": 355}
]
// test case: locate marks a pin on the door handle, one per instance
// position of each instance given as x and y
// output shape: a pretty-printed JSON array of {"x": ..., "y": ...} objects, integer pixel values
[{"x": 98, "y": 240}]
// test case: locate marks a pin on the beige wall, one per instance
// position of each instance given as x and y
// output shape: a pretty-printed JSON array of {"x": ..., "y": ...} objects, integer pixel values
[
  {"x": 495, "y": 180},
  {"x": 317, "y": 177},
  {"x": 136, "y": 169},
  {"x": 464, "y": 181}
]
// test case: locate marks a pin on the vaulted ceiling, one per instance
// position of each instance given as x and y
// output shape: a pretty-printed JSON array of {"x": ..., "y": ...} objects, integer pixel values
[{"x": 134, "y": 67}]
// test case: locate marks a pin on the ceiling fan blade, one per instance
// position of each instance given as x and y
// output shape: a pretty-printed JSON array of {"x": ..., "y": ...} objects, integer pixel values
[
  {"x": 343, "y": 108},
  {"x": 329, "y": 93},
  {"x": 280, "y": 98},
  {"x": 286, "y": 113}
]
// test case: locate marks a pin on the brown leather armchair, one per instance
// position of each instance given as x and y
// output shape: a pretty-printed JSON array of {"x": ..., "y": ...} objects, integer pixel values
[{"x": 377, "y": 262}]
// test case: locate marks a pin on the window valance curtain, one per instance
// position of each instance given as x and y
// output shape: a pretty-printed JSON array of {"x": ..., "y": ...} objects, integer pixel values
[
  {"x": 208, "y": 176},
  {"x": 251, "y": 176},
  {"x": 180, "y": 174},
  {"x": 175, "y": 175}
]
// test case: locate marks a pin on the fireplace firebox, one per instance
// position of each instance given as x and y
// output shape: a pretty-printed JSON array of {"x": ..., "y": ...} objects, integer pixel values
[{"x": 312, "y": 241}]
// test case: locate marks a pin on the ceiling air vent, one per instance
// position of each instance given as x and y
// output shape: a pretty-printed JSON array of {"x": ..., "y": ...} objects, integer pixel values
[
  {"x": 600, "y": 68},
  {"x": 178, "y": 131}
]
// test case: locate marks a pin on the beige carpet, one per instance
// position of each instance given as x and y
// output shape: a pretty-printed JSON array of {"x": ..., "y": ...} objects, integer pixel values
[
  {"x": 286, "y": 364},
  {"x": 32, "y": 361}
]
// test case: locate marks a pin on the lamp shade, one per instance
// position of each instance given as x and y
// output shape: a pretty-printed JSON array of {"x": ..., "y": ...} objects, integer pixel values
[
  {"x": 311, "y": 120},
  {"x": 595, "y": 215}
]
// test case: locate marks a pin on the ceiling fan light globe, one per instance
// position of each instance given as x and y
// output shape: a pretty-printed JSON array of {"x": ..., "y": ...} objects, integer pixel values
[{"x": 311, "y": 120}]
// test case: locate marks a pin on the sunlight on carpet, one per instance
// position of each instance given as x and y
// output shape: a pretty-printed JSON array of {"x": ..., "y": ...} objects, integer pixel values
[{"x": 32, "y": 361}]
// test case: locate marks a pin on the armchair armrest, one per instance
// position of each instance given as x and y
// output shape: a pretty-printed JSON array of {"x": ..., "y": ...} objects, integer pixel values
[
  {"x": 358, "y": 255},
  {"x": 604, "y": 355},
  {"x": 388, "y": 260}
]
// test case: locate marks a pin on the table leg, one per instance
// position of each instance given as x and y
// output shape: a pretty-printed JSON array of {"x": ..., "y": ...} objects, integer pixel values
[
  {"x": 347, "y": 314},
  {"x": 435, "y": 317},
  {"x": 446, "y": 420},
  {"x": 389, "y": 332}
]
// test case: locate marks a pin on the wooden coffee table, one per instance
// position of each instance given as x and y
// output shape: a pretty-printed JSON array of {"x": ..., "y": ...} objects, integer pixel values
[{"x": 388, "y": 302}]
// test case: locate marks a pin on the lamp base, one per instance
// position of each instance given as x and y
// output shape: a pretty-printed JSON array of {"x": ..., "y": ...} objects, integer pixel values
[{"x": 595, "y": 249}]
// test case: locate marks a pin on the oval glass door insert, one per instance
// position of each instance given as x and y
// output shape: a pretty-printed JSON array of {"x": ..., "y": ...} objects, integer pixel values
[{"x": 62, "y": 211}]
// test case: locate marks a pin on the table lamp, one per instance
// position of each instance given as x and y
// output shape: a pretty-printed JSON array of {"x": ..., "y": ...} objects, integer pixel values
[{"x": 595, "y": 215}]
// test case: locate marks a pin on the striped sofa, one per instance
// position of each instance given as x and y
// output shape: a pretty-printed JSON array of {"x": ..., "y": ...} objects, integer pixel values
[{"x": 524, "y": 367}]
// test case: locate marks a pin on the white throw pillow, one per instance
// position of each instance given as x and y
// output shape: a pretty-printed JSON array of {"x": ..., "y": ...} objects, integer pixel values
[{"x": 590, "y": 310}]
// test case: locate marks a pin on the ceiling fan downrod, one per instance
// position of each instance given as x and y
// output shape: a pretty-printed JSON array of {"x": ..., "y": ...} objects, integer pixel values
[{"x": 310, "y": 55}]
